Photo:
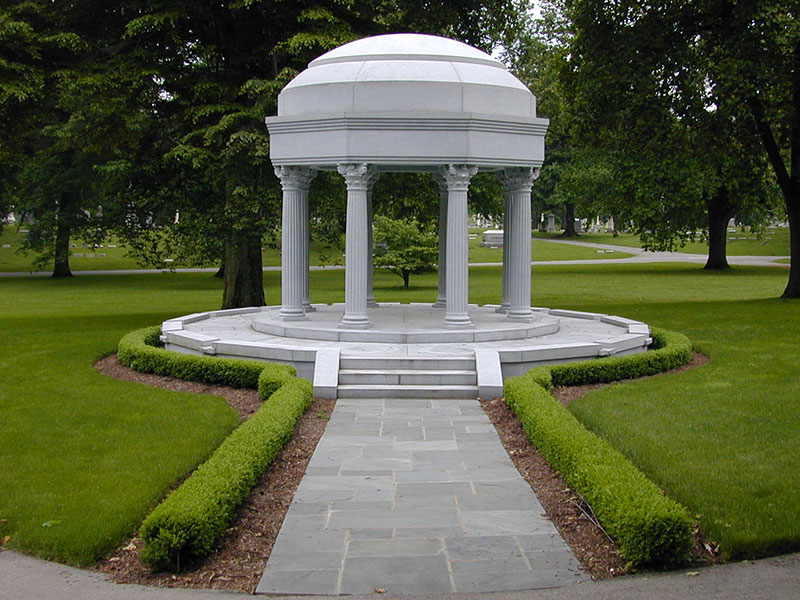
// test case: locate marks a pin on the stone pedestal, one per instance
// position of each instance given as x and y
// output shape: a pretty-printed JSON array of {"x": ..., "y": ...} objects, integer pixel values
[
  {"x": 370, "y": 250},
  {"x": 505, "y": 304},
  {"x": 457, "y": 178},
  {"x": 295, "y": 182},
  {"x": 359, "y": 177},
  {"x": 441, "y": 295}
]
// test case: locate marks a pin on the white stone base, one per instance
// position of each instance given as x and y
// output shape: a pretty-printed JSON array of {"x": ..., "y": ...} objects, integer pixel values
[{"x": 407, "y": 332}]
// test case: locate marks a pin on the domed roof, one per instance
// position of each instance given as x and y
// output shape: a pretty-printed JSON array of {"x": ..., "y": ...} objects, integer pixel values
[{"x": 406, "y": 72}]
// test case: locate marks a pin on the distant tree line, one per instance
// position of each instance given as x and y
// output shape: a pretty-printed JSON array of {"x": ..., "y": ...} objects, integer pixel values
[{"x": 671, "y": 116}]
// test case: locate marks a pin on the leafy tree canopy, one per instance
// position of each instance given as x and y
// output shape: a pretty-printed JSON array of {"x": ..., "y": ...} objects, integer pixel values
[{"x": 404, "y": 247}]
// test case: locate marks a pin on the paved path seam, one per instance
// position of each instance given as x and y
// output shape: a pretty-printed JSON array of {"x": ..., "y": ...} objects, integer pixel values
[{"x": 414, "y": 497}]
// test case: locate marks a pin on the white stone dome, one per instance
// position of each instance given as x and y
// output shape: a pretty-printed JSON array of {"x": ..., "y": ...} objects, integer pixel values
[
  {"x": 406, "y": 102},
  {"x": 406, "y": 72}
]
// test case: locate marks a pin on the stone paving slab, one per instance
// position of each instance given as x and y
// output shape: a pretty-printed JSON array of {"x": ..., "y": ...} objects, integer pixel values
[{"x": 414, "y": 497}]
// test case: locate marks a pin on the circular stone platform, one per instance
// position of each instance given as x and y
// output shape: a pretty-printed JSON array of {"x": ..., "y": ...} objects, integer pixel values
[
  {"x": 406, "y": 331},
  {"x": 404, "y": 324}
]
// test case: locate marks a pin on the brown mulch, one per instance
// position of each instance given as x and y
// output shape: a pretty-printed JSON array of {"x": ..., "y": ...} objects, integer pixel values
[{"x": 239, "y": 561}]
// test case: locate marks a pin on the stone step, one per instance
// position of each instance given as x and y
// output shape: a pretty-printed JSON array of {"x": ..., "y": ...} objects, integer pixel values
[
  {"x": 408, "y": 376},
  {"x": 410, "y": 363},
  {"x": 433, "y": 392}
]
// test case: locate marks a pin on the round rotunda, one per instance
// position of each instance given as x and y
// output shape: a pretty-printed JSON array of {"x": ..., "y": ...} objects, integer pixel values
[{"x": 407, "y": 102}]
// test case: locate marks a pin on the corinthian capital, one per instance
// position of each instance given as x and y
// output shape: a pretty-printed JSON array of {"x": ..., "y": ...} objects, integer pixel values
[
  {"x": 358, "y": 175},
  {"x": 457, "y": 176},
  {"x": 518, "y": 178},
  {"x": 295, "y": 178}
]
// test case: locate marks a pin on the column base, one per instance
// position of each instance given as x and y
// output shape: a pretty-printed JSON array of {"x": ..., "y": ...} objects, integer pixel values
[
  {"x": 519, "y": 314},
  {"x": 461, "y": 321},
  {"x": 440, "y": 303},
  {"x": 292, "y": 314},
  {"x": 354, "y": 322},
  {"x": 371, "y": 303},
  {"x": 307, "y": 307},
  {"x": 503, "y": 308}
]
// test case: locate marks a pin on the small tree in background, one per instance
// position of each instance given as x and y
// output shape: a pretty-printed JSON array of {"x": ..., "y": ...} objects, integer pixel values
[{"x": 404, "y": 247}]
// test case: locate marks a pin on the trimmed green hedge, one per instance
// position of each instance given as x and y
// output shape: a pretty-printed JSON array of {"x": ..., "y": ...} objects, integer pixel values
[
  {"x": 193, "y": 518},
  {"x": 670, "y": 350},
  {"x": 649, "y": 527},
  {"x": 139, "y": 350}
]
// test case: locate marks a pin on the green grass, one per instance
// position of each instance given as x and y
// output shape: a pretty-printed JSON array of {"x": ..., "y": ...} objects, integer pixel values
[
  {"x": 90, "y": 456},
  {"x": 116, "y": 257},
  {"x": 773, "y": 242},
  {"x": 541, "y": 251},
  {"x": 723, "y": 439},
  {"x": 85, "y": 456}
]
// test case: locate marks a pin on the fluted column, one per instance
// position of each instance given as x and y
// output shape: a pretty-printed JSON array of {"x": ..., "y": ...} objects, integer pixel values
[
  {"x": 505, "y": 304},
  {"x": 457, "y": 178},
  {"x": 358, "y": 177},
  {"x": 295, "y": 182},
  {"x": 518, "y": 182}
]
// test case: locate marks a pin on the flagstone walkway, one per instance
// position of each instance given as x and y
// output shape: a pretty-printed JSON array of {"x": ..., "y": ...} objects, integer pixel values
[{"x": 414, "y": 497}]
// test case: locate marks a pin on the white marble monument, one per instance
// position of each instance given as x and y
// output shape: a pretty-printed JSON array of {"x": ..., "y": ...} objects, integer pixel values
[{"x": 407, "y": 102}]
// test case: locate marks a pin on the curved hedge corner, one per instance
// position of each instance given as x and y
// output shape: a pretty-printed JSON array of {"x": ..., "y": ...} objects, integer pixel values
[
  {"x": 670, "y": 350},
  {"x": 139, "y": 350},
  {"x": 649, "y": 527},
  {"x": 193, "y": 518}
]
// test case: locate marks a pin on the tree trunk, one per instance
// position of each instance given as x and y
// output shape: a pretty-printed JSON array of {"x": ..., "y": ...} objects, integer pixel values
[
  {"x": 406, "y": 277},
  {"x": 788, "y": 179},
  {"x": 243, "y": 275},
  {"x": 61, "y": 251},
  {"x": 720, "y": 211},
  {"x": 569, "y": 220},
  {"x": 793, "y": 286},
  {"x": 220, "y": 274}
]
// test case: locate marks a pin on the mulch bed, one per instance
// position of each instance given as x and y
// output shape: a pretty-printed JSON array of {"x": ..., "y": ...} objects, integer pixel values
[{"x": 239, "y": 561}]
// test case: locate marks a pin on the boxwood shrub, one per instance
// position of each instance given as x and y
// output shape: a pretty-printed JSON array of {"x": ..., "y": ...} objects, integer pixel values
[
  {"x": 193, "y": 518},
  {"x": 140, "y": 350},
  {"x": 670, "y": 350},
  {"x": 649, "y": 527}
]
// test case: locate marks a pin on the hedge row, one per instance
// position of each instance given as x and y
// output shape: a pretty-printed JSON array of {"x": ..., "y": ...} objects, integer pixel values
[
  {"x": 649, "y": 527},
  {"x": 670, "y": 350},
  {"x": 193, "y": 518},
  {"x": 139, "y": 350}
]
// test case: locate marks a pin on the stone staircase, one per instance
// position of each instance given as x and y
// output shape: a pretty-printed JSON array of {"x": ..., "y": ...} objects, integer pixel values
[{"x": 407, "y": 377}]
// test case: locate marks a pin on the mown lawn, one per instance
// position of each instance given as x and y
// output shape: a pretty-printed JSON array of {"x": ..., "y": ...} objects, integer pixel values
[
  {"x": 113, "y": 255},
  {"x": 84, "y": 457},
  {"x": 724, "y": 439},
  {"x": 772, "y": 242}
]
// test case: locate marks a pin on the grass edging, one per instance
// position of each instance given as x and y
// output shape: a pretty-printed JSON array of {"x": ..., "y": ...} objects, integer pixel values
[
  {"x": 193, "y": 518},
  {"x": 189, "y": 522},
  {"x": 139, "y": 350},
  {"x": 650, "y": 528}
]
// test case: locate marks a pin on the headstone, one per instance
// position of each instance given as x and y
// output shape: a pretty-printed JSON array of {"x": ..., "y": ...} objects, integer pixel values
[
  {"x": 492, "y": 238},
  {"x": 610, "y": 224},
  {"x": 551, "y": 222}
]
